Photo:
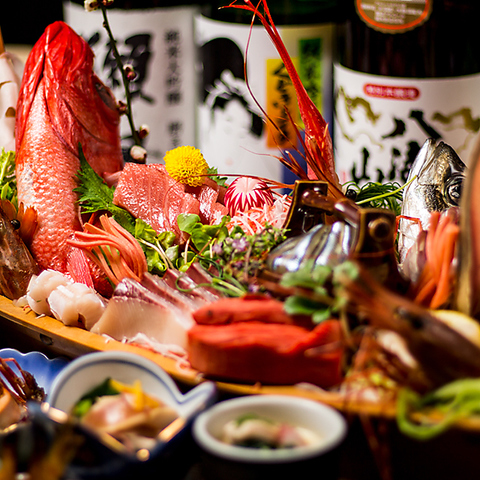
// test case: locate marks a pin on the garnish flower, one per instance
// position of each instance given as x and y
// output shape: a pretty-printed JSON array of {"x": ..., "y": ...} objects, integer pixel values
[
  {"x": 245, "y": 193},
  {"x": 186, "y": 165}
]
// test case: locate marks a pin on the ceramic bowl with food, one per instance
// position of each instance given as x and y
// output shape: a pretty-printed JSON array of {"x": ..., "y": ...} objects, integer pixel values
[
  {"x": 310, "y": 436},
  {"x": 152, "y": 399}
]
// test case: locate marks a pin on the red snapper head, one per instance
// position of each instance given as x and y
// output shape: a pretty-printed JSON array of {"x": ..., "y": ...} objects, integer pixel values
[{"x": 81, "y": 108}]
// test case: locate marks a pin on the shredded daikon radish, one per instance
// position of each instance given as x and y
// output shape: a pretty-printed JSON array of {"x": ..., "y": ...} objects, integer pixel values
[{"x": 254, "y": 220}]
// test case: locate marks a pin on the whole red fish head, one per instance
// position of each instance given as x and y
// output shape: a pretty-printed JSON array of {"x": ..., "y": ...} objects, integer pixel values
[
  {"x": 81, "y": 108},
  {"x": 62, "y": 104}
]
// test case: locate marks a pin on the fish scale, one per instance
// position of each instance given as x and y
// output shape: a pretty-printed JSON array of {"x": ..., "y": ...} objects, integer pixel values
[
  {"x": 46, "y": 179},
  {"x": 61, "y": 104}
]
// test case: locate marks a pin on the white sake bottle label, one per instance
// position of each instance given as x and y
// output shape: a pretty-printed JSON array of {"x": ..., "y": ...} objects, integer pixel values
[
  {"x": 232, "y": 133},
  {"x": 382, "y": 122},
  {"x": 159, "y": 44}
]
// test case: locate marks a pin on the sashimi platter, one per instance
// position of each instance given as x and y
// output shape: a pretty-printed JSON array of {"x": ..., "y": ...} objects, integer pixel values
[{"x": 363, "y": 297}]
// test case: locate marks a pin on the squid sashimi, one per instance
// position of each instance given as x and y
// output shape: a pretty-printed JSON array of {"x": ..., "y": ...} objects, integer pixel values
[{"x": 62, "y": 104}]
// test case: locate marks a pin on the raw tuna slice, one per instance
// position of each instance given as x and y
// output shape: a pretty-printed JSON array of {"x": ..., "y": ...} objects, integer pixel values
[
  {"x": 160, "y": 287},
  {"x": 249, "y": 308},
  {"x": 268, "y": 353},
  {"x": 181, "y": 280},
  {"x": 200, "y": 276},
  {"x": 149, "y": 193},
  {"x": 208, "y": 195}
]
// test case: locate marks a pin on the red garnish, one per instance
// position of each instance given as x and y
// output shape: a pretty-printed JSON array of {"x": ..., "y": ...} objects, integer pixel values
[{"x": 245, "y": 193}]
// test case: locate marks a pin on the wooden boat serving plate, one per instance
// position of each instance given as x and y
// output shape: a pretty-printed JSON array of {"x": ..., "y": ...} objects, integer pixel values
[{"x": 24, "y": 330}]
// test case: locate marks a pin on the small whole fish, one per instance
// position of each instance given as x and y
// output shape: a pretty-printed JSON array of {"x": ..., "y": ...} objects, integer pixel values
[
  {"x": 436, "y": 177},
  {"x": 62, "y": 104}
]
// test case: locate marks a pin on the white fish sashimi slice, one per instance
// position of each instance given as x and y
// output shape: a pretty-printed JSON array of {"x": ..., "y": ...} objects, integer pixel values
[
  {"x": 40, "y": 288},
  {"x": 124, "y": 318},
  {"x": 76, "y": 304}
]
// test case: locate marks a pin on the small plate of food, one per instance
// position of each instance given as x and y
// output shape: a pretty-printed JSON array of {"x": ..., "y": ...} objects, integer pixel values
[{"x": 126, "y": 406}]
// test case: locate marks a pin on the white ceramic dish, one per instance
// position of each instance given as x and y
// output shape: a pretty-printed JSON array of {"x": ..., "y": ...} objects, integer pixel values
[
  {"x": 86, "y": 372},
  {"x": 323, "y": 420},
  {"x": 113, "y": 459}
]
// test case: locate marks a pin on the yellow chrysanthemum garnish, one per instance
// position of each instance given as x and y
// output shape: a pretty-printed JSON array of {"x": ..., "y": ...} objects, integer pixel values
[{"x": 185, "y": 164}]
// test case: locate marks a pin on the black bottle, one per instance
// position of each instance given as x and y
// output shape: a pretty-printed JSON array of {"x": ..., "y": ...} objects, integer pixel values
[{"x": 406, "y": 71}]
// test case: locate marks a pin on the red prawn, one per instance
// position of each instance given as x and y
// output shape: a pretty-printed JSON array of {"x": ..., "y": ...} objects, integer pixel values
[{"x": 318, "y": 142}]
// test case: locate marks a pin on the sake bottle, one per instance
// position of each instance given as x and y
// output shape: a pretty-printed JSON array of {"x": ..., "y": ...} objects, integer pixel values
[
  {"x": 406, "y": 71},
  {"x": 156, "y": 38},
  {"x": 233, "y": 100}
]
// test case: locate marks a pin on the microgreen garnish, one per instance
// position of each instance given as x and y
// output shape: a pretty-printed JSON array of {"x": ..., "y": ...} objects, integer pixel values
[
  {"x": 8, "y": 181},
  {"x": 322, "y": 295},
  {"x": 234, "y": 255},
  {"x": 378, "y": 195}
]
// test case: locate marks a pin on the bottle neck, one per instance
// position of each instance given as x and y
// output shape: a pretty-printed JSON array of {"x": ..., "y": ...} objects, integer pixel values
[
  {"x": 144, "y": 4},
  {"x": 445, "y": 45},
  {"x": 284, "y": 12}
]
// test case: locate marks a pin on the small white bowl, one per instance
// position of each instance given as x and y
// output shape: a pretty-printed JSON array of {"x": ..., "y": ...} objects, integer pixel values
[
  {"x": 88, "y": 371},
  {"x": 244, "y": 462}
]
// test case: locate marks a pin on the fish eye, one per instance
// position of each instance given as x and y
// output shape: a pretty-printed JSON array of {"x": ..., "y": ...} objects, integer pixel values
[
  {"x": 453, "y": 190},
  {"x": 105, "y": 95}
]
